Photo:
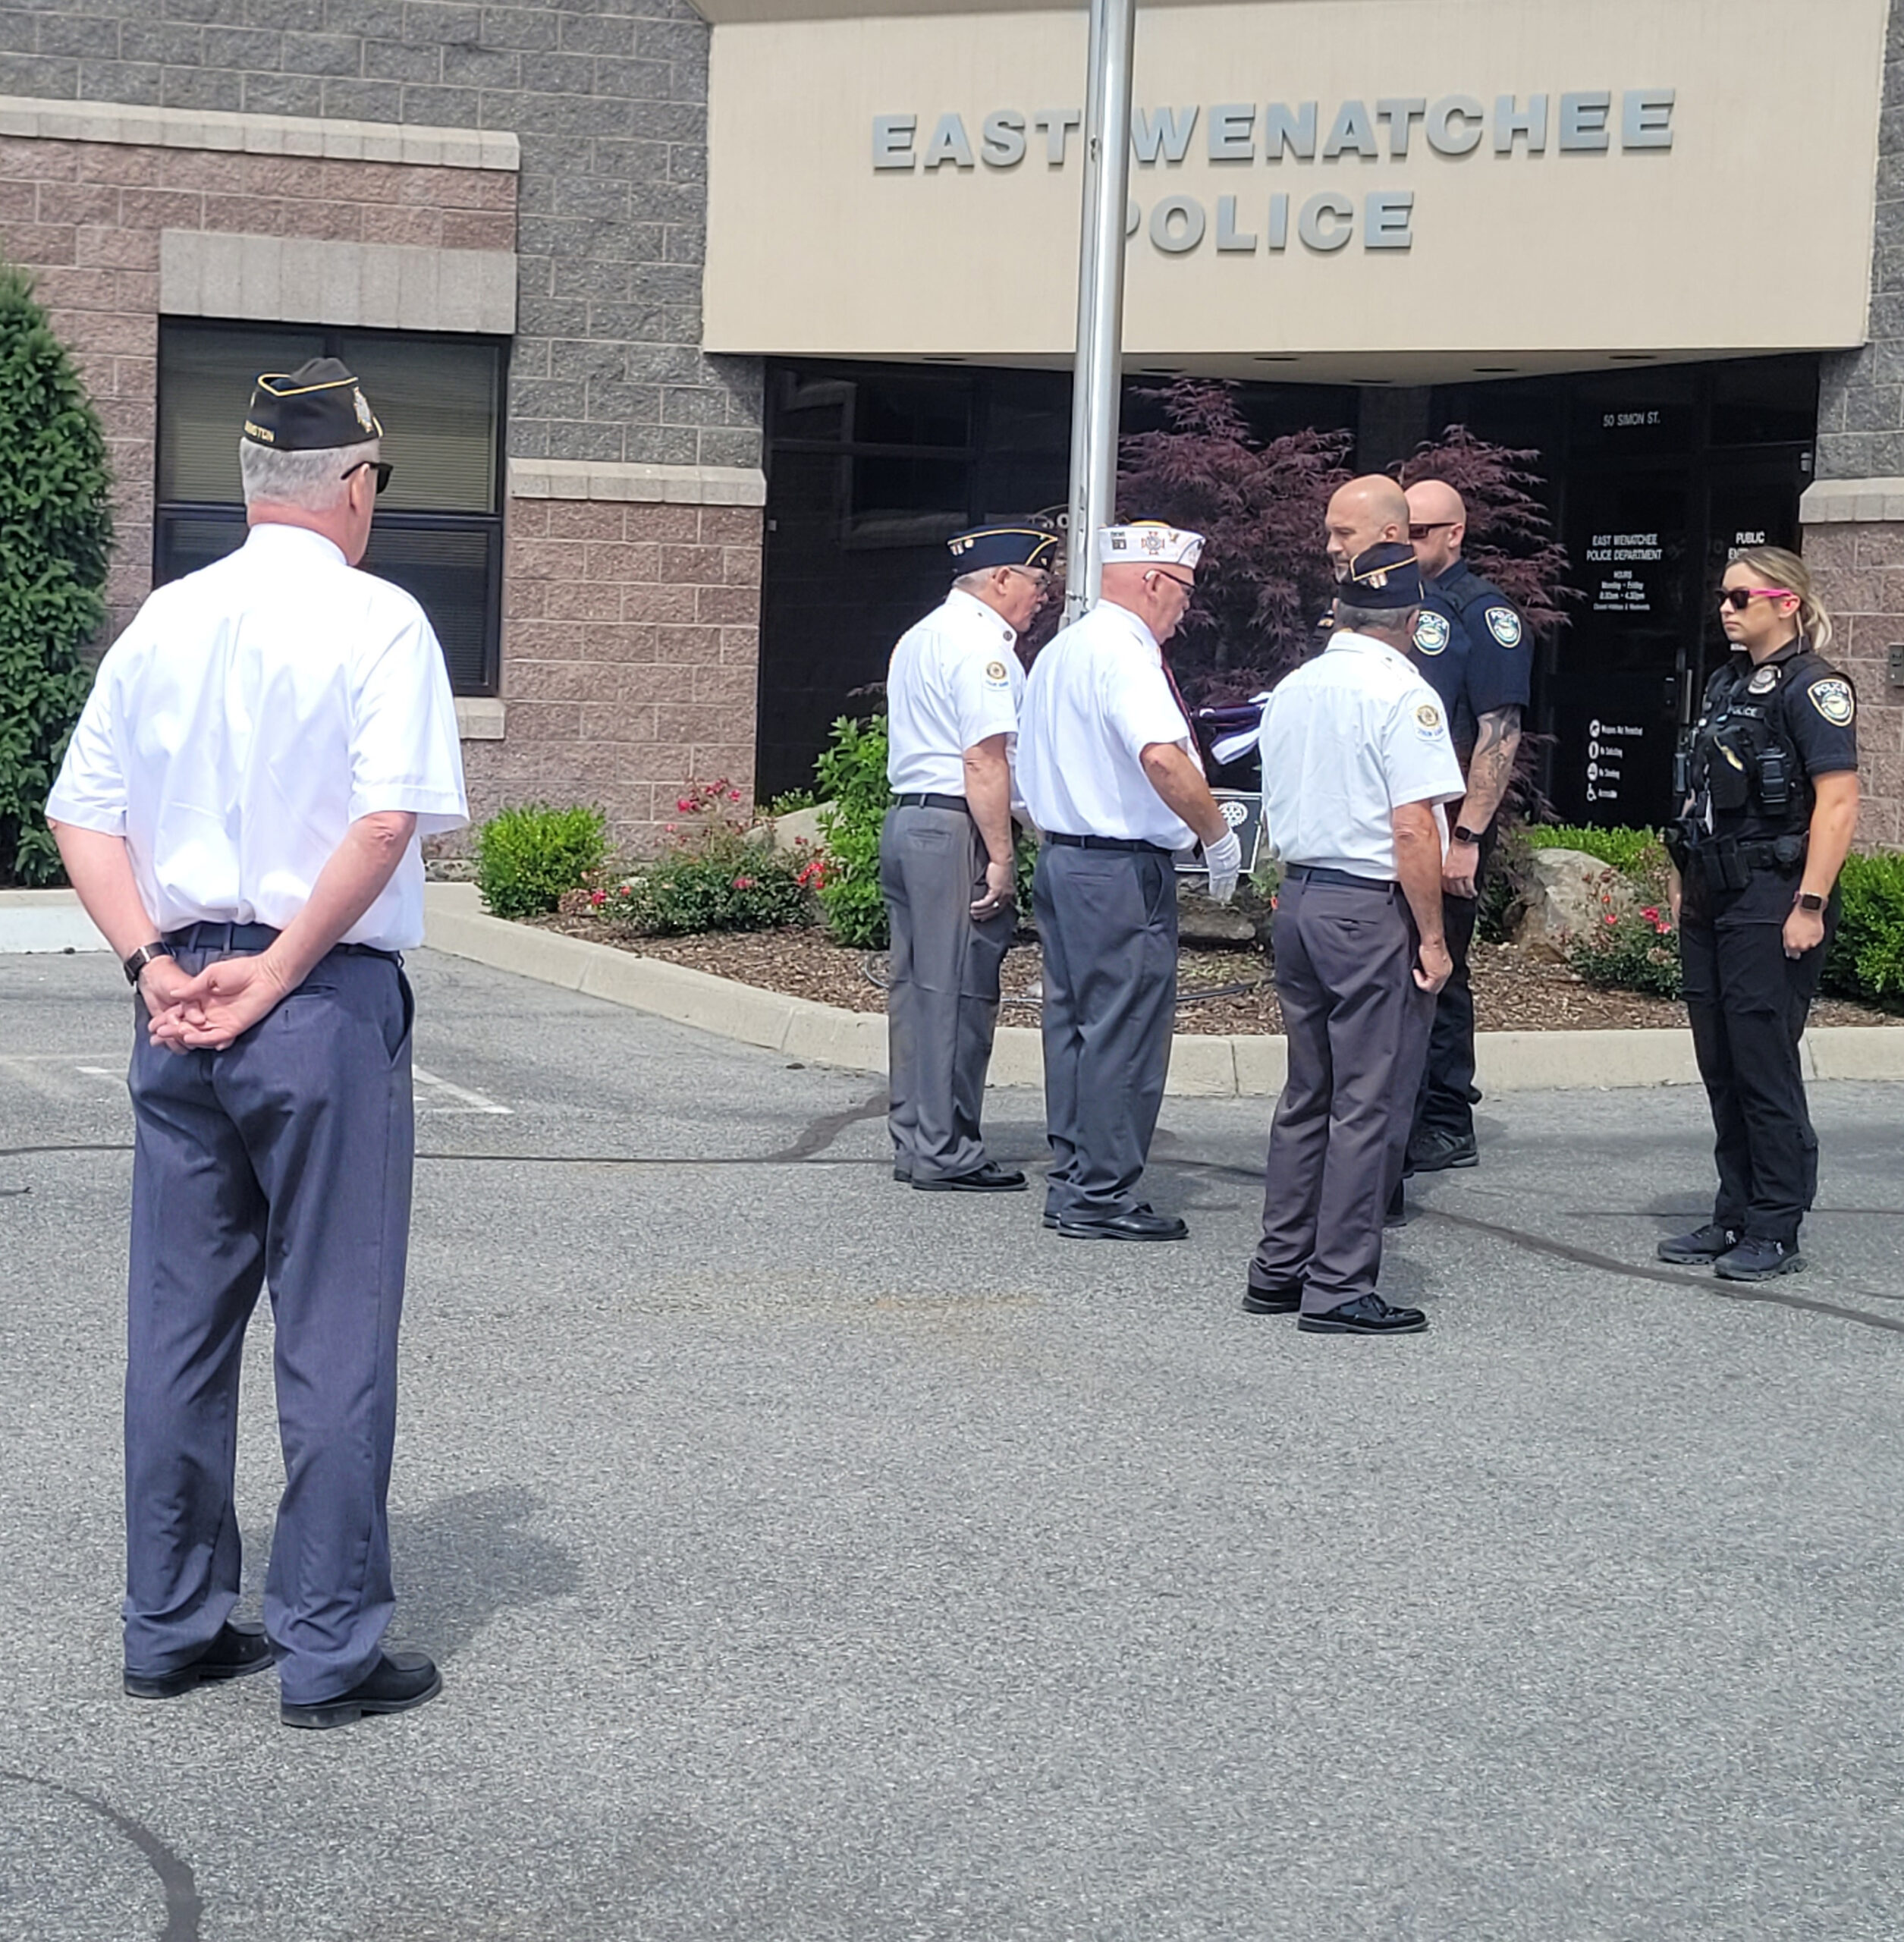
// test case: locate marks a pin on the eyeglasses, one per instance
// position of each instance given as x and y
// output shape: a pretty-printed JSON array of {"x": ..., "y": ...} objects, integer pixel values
[
  {"x": 1427, "y": 527},
  {"x": 382, "y": 466},
  {"x": 1188, "y": 585},
  {"x": 1042, "y": 581},
  {"x": 1739, "y": 598}
]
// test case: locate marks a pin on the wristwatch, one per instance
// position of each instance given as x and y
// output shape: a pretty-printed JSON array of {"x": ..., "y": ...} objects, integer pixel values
[
  {"x": 1463, "y": 834},
  {"x": 144, "y": 956},
  {"x": 1807, "y": 899}
]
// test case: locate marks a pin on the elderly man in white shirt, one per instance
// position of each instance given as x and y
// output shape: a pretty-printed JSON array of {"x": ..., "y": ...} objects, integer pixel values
[
  {"x": 1357, "y": 766},
  {"x": 239, "y": 810},
  {"x": 1110, "y": 772},
  {"x": 946, "y": 861}
]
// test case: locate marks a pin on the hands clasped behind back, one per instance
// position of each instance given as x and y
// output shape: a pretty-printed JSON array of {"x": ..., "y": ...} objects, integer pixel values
[{"x": 209, "y": 1011}]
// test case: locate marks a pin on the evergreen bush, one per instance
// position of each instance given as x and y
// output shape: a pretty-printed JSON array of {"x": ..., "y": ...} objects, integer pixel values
[
  {"x": 527, "y": 856},
  {"x": 852, "y": 777},
  {"x": 1867, "y": 959},
  {"x": 56, "y": 540}
]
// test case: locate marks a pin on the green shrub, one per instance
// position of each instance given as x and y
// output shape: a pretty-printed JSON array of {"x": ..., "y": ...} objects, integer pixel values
[
  {"x": 1625, "y": 850},
  {"x": 527, "y": 857},
  {"x": 1631, "y": 949},
  {"x": 55, "y": 536},
  {"x": 852, "y": 776},
  {"x": 789, "y": 802},
  {"x": 1867, "y": 959}
]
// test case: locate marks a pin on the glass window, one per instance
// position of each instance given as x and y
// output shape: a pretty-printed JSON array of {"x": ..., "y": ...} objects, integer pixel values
[{"x": 438, "y": 530}]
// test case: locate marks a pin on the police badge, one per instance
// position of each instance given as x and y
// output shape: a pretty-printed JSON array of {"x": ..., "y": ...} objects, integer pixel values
[
  {"x": 1431, "y": 632},
  {"x": 1505, "y": 625},
  {"x": 1763, "y": 681}
]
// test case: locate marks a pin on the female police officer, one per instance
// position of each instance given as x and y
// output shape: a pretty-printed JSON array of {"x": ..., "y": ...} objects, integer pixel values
[{"x": 1770, "y": 803}]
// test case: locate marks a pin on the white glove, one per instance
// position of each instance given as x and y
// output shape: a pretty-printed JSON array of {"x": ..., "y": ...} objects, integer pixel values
[{"x": 1224, "y": 859}]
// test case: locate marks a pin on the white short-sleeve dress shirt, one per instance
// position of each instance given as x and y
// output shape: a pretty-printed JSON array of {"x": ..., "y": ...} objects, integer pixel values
[
  {"x": 249, "y": 714},
  {"x": 1345, "y": 738},
  {"x": 954, "y": 681},
  {"x": 1096, "y": 697}
]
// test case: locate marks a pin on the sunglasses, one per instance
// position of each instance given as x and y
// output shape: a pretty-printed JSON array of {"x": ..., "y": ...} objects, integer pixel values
[
  {"x": 382, "y": 467},
  {"x": 1739, "y": 598},
  {"x": 1422, "y": 531}
]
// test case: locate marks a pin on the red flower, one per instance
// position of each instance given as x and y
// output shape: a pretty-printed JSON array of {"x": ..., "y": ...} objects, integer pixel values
[
  {"x": 685, "y": 804},
  {"x": 1611, "y": 918},
  {"x": 598, "y": 898},
  {"x": 743, "y": 883}
]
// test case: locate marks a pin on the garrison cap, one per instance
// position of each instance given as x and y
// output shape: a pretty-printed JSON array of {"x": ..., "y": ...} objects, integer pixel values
[
  {"x": 1148, "y": 542},
  {"x": 1008, "y": 543},
  {"x": 318, "y": 407},
  {"x": 1383, "y": 575}
]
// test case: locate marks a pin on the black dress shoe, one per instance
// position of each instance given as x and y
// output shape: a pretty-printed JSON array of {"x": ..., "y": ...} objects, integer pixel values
[
  {"x": 902, "y": 1174},
  {"x": 1139, "y": 1223},
  {"x": 1270, "y": 1301},
  {"x": 1435, "y": 1152},
  {"x": 236, "y": 1650},
  {"x": 1757, "y": 1259},
  {"x": 1366, "y": 1315},
  {"x": 1051, "y": 1220},
  {"x": 1703, "y": 1244},
  {"x": 397, "y": 1682},
  {"x": 990, "y": 1178}
]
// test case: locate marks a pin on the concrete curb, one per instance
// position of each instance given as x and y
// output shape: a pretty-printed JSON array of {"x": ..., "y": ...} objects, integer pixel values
[
  {"x": 1201, "y": 1066},
  {"x": 45, "y": 920}
]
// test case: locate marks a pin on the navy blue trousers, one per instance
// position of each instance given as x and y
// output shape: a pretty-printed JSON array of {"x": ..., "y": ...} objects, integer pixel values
[{"x": 285, "y": 1159}]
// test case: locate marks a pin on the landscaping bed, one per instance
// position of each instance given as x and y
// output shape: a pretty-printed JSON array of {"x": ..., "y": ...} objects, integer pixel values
[{"x": 1513, "y": 992}]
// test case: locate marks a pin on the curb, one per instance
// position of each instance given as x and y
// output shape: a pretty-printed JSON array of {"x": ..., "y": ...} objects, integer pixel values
[
  {"x": 45, "y": 920},
  {"x": 1201, "y": 1067}
]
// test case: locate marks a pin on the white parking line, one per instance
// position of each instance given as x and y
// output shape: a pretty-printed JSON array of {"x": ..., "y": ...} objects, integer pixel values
[{"x": 445, "y": 1098}]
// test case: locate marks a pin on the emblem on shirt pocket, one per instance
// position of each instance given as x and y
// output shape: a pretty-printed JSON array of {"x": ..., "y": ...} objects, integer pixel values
[
  {"x": 1505, "y": 625},
  {"x": 1833, "y": 700},
  {"x": 1431, "y": 632}
]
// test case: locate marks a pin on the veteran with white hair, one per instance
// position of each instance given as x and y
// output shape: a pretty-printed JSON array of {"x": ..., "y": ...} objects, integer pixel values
[
  {"x": 1109, "y": 769},
  {"x": 239, "y": 811}
]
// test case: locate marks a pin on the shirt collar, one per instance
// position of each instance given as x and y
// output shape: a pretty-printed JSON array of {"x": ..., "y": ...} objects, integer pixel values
[
  {"x": 1138, "y": 631},
  {"x": 963, "y": 602},
  {"x": 273, "y": 536},
  {"x": 1346, "y": 640},
  {"x": 1743, "y": 662}
]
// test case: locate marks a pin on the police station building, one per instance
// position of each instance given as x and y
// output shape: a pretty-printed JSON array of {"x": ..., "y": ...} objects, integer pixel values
[{"x": 694, "y": 334}]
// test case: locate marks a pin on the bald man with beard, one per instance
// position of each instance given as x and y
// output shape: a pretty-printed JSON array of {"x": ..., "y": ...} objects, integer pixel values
[{"x": 1472, "y": 647}]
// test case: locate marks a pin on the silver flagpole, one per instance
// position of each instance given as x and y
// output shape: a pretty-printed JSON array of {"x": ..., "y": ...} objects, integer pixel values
[{"x": 1098, "y": 372}]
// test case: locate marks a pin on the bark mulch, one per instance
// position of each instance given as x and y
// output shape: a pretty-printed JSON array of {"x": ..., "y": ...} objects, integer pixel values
[{"x": 1513, "y": 991}]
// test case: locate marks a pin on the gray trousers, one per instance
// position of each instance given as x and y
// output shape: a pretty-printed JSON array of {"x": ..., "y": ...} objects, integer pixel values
[
  {"x": 942, "y": 1003},
  {"x": 1357, "y": 1025},
  {"x": 1107, "y": 920},
  {"x": 286, "y": 1157}
]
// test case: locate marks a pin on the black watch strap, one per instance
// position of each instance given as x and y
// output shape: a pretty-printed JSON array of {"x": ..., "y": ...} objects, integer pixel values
[
  {"x": 1463, "y": 834},
  {"x": 144, "y": 956}
]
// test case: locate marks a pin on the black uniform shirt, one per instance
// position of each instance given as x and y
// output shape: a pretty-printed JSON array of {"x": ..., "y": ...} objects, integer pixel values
[
  {"x": 1815, "y": 708},
  {"x": 1472, "y": 648}
]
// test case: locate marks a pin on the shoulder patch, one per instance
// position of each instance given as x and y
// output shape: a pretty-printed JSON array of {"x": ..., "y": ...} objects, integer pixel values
[
  {"x": 1505, "y": 625},
  {"x": 1431, "y": 631},
  {"x": 1763, "y": 682},
  {"x": 1833, "y": 700},
  {"x": 1428, "y": 721},
  {"x": 995, "y": 672}
]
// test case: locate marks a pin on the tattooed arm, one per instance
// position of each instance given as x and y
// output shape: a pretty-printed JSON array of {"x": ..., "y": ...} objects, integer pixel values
[{"x": 1490, "y": 770}]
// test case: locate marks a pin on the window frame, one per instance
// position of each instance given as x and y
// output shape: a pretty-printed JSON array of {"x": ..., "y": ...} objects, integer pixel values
[{"x": 489, "y": 684}]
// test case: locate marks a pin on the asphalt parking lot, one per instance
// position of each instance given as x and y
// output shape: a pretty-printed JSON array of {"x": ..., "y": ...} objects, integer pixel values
[{"x": 809, "y": 1558}]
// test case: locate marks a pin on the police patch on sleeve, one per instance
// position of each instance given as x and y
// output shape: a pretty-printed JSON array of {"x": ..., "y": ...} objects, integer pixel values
[
  {"x": 1505, "y": 625},
  {"x": 1431, "y": 631},
  {"x": 1428, "y": 721},
  {"x": 1833, "y": 700}
]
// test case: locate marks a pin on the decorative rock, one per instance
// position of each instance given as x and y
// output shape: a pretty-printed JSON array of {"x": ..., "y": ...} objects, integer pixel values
[
  {"x": 789, "y": 829},
  {"x": 1243, "y": 920},
  {"x": 1565, "y": 897}
]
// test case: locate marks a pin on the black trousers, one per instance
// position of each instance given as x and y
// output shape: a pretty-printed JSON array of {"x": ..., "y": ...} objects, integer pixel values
[
  {"x": 1448, "y": 1095},
  {"x": 1747, "y": 1003}
]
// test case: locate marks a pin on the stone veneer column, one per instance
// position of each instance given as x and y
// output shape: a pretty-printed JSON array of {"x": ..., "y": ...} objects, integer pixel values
[
  {"x": 631, "y": 642},
  {"x": 1854, "y": 543}
]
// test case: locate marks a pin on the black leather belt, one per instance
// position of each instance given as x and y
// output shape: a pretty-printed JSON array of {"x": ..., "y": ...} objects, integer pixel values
[
  {"x": 1343, "y": 879},
  {"x": 1126, "y": 843},
  {"x": 928, "y": 801},
  {"x": 230, "y": 937}
]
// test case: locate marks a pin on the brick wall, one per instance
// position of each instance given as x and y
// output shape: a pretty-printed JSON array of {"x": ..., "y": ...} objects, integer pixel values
[
  {"x": 610, "y": 103},
  {"x": 630, "y": 652},
  {"x": 85, "y": 219}
]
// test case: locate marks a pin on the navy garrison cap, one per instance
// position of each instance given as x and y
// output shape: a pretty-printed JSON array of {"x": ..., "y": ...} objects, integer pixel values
[
  {"x": 1009, "y": 543},
  {"x": 315, "y": 408},
  {"x": 1384, "y": 575}
]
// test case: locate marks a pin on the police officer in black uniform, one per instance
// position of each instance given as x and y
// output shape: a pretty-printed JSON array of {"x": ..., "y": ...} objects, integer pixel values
[
  {"x": 1472, "y": 647},
  {"x": 1770, "y": 781}
]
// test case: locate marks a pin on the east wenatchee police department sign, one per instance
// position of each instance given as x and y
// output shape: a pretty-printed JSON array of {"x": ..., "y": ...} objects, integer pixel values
[{"x": 1583, "y": 122}]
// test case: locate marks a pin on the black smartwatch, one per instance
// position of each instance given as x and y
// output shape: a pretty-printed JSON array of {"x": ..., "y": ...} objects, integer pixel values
[
  {"x": 1464, "y": 834},
  {"x": 1807, "y": 899},
  {"x": 142, "y": 956}
]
